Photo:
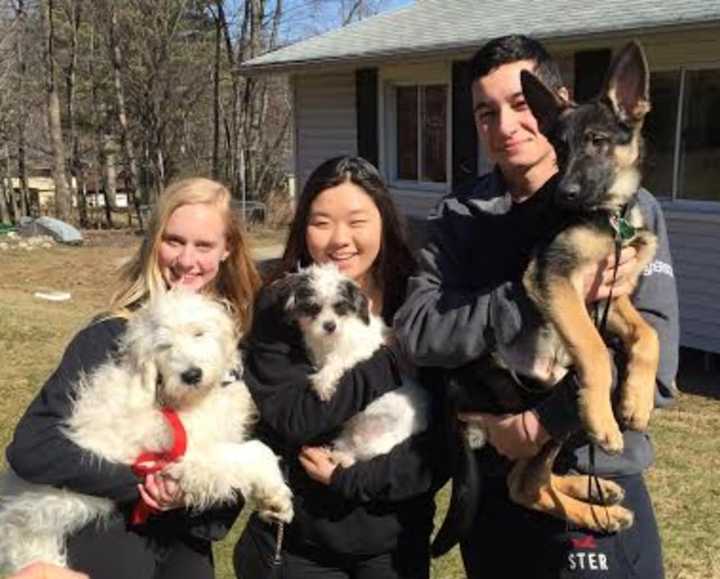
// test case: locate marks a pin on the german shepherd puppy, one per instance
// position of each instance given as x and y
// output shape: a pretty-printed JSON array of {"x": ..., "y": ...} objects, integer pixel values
[{"x": 599, "y": 149}]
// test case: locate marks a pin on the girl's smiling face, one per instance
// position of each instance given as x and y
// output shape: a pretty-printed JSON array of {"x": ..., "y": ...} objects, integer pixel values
[
  {"x": 192, "y": 246},
  {"x": 345, "y": 228}
]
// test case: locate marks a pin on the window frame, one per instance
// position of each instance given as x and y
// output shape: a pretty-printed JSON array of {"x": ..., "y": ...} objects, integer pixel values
[
  {"x": 675, "y": 199},
  {"x": 390, "y": 136}
]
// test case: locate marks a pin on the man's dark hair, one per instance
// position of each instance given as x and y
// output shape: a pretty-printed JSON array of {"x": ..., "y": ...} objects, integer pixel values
[{"x": 512, "y": 48}]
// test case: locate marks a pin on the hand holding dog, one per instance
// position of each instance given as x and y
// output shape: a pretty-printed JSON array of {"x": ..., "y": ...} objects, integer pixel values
[
  {"x": 514, "y": 436},
  {"x": 598, "y": 279},
  {"x": 318, "y": 463},
  {"x": 162, "y": 492}
]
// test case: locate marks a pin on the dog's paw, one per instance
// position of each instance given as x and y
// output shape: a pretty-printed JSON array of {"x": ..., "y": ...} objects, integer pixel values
[
  {"x": 275, "y": 503},
  {"x": 599, "y": 421},
  {"x": 636, "y": 405},
  {"x": 475, "y": 435},
  {"x": 635, "y": 416},
  {"x": 606, "y": 492},
  {"x": 324, "y": 384},
  {"x": 609, "y": 439},
  {"x": 344, "y": 459},
  {"x": 612, "y": 519}
]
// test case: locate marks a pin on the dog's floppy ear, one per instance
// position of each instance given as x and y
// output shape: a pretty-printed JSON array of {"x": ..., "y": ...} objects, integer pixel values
[
  {"x": 285, "y": 286},
  {"x": 149, "y": 375},
  {"x": 359, "y": 302},
  {"x": 137, "y": 348},
  {"x": 545, "y": 105},
  {"x": 627, "y": 86}
]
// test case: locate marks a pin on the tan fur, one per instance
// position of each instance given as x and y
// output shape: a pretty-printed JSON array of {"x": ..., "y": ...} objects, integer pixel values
[
  {"x": 532, "y": 484},
  {"x": 565, "y": 309},
  {"x": 561, "y": 300}
]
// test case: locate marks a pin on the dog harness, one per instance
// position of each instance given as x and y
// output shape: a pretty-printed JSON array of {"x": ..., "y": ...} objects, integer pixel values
[{"x": 152, "y": 462}]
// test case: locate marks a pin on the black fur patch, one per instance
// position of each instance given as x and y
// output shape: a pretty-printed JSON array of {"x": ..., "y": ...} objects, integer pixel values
[{"x": 353, "y": 297}]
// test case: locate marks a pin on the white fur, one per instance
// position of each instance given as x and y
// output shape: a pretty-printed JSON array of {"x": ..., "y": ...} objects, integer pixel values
[
  {"x": 389, "y": 419},
  {"x": 115, "y": 416},
  {"x": 384, "y": 423}
]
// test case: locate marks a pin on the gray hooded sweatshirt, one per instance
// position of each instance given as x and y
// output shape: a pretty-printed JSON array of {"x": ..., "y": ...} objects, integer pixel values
[{"x": 467, "y": 296}]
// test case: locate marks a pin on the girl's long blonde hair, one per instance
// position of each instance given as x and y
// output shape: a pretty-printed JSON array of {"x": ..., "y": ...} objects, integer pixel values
[{"x": 237, "y": 281}]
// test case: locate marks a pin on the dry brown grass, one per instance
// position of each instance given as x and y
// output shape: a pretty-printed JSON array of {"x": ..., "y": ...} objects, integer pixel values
[{"x": 33, "y": 333}]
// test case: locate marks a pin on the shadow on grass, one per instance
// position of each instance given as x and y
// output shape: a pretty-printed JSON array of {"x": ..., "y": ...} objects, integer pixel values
[{"x": 699, "y": 373}]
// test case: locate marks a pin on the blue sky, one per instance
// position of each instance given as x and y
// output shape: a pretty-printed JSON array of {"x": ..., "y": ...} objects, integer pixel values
[{"x": 305, "y": 18}]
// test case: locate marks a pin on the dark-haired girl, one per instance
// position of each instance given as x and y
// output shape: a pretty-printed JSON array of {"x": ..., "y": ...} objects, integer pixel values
[{"x": 373, "y": 519}]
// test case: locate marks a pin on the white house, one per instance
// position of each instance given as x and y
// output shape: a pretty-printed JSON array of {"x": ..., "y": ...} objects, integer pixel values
[{"x": 394, "y": 89}]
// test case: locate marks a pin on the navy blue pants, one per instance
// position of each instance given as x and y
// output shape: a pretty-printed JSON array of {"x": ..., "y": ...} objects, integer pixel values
[
  {"x": 116, "y": 552},
  {"x": 509, "y": 541},
  {"x": 253, "y": 559}
]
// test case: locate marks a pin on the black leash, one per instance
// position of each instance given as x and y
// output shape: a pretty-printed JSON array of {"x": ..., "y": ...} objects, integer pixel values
[{"x": 620, "y": 235}]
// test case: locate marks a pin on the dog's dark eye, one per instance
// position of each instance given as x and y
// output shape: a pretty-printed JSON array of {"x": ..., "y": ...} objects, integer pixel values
[
  {"x": 341, "y": 308},
  {"x": 199, "y": 333},
  {"x": 310, "y": 310},
  {"x": 597, "y": 139}
]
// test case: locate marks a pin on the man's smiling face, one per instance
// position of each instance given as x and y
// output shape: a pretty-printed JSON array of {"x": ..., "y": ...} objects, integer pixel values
[{"x": 505, "y": 125}]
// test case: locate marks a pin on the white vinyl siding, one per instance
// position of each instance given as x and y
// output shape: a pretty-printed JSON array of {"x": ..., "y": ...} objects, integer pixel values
[
  {"x": 694, "y": 227},
  {"x": 695, "y": 246},
  {"x": 325, "y": 120}
]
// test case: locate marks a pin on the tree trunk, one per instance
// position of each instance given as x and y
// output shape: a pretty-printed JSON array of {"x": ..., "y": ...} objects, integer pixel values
[
  {"x": 231, "y": 125},
  {"x": 99, "y": 121},
  {"x": 132, "y": 181},
  {"x": 74, "y": 16},
  {"x": 5, "y": 188},
  {"x": 216, "y": 97},
  {"x": 13, "y": 195},
  {"x": 63, "y": 204},
  {"x": 22, "y": 117}
]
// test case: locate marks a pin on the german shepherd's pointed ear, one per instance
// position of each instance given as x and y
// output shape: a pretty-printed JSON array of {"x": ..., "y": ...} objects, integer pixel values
[
  {"x": 627, "y": 86},
  {"x": 545, "y": 105}
]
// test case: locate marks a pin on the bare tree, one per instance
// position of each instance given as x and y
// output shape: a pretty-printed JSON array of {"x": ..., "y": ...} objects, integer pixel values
[
  {"x": 21, "y": 111},
  {"x": 156, "y": 83},
  {"x": 132, "y": 180},
  {"x": 73, "y": 15},
  {"x": 62, "y": 191},
  {"x": 219, "y": 22},
  {"x": 253, "y": 139}
]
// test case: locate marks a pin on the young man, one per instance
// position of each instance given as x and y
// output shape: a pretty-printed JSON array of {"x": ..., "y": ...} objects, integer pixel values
[{"x": 468, "y": 296}]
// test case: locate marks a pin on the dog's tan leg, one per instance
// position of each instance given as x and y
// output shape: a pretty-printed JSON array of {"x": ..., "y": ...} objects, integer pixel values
[
  {"x": 532, "y": 485},
  {"x": 565, "y": 307},
  {"x": 600, "y": 492},
  {"x": 637, "y": 395}
]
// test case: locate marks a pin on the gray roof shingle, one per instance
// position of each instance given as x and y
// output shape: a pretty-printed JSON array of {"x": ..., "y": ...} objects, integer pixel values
[{"x": 440, "y": 25}]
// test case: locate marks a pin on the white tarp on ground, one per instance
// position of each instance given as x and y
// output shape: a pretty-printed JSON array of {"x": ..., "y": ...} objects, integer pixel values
[{"x": 59, "y": 230}]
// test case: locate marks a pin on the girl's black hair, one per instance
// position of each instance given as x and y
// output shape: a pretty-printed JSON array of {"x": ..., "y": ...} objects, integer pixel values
[{"x": 395, "y": 262}]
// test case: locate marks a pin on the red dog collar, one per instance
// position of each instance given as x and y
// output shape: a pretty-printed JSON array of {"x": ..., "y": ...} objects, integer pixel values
[{"x": 152, "y": 462}]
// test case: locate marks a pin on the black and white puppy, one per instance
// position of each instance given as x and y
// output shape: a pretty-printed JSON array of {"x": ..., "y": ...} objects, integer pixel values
[{"x": 340, "y": 331}]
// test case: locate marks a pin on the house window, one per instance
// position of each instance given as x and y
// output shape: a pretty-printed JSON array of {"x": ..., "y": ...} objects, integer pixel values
[
  {"x": 421, "y": 113},
  {"x": 682, "y": 135}
]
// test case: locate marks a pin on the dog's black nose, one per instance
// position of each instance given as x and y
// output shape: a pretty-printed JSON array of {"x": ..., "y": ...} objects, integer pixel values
[
  {"x": 329, "y": 326},
  {"x": 570, "y": 191},
  {"x": 191, "y": 376}
]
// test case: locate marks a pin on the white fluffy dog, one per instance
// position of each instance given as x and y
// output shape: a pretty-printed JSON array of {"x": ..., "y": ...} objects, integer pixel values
[
  {"x": 339, "y": 332},
  {"x": 178, "y": 352}
]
